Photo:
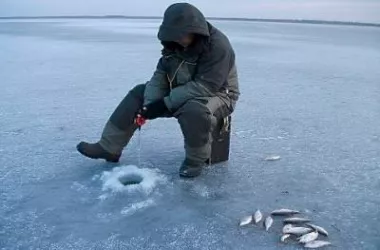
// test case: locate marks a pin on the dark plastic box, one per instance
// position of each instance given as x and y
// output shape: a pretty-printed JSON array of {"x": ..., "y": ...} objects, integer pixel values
[{"x": 220, "y": 149}]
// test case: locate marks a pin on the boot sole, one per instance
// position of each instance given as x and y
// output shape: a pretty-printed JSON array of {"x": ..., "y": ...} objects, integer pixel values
[
  {"x": 188, "y": 175},
  {"x": 96, "y": 158}
]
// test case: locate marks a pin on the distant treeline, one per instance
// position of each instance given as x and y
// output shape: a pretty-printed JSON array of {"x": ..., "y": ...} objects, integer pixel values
[{"x": 210, "y": 18}]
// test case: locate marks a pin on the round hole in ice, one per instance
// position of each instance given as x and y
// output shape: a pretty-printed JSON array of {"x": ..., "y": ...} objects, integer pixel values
[{"x": 130, "y": 179}]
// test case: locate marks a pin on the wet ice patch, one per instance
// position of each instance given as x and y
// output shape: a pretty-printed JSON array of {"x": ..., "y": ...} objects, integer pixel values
[
  {"x": 132, "y": 179},
  {"x": 137, "y": 207}
]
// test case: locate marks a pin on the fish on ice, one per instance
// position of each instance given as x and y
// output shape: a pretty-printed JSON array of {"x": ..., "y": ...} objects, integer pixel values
[
  {"x": 245, "y": 220},
  {"x": 284, "y": 237},
  {"x": 287, "y": 227},
  {"x": 320, "y": 230},
  {"x": 285, "y": 211},
  {"x": 273, "y": 158},
  {"x": 268, "y": 223},
  {"x": 308, "y": 237},
  {"x": 257, "y": 216},
  {"x": 296, "y": 220},
  {"x": 317, "y": 244},
  {"x": 296, "y": 230}
]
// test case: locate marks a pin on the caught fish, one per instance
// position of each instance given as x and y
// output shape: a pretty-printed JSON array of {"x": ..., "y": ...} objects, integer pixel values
[
  {"x": 284, "y": 237},
  {"x": 320, "y": 230},
  {"x": 286, "y": 228},
  {"x": 296, "y": 230},
  {"x": 308, "y": 237},
  {"x": 273, "y": 158},
  {"x": 284, "y": 211},
  {"x": 268, "y": 223},
  {"x": 257, "y": 216},
  {"x": 317, "y": 244},
  {"x": 296, "y": 220},
  {"x": 245, "y": 220}
]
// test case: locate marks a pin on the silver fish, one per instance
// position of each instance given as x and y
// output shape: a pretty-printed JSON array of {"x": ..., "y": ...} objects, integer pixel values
[
  {"x": 257, "y": 216},
  {"x": 296, "y": 220},
  {"x": 296, "y": 230},
  {"x": 268, "y": 223},
  {"x": 286, "y": 228},
  {"x": 284, "y": 237},
  {"x": 308, "y": 237},
  {"x": 284, "y": 211},
  {"x": 272, "y": 158},
  {"x": 245, "y": 220},
  {"x": 317, "y": 244},
  {"x": 320, "y": 230}
]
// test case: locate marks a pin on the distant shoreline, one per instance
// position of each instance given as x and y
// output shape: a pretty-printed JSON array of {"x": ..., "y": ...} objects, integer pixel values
[{"x": 306, "y": 21}]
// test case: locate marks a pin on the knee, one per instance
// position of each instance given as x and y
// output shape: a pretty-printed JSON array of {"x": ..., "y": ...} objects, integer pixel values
[
  {"x": 195, "y": 121},
  {"x": 138, "y": 91},
  {"x": 195, "y": 112}
]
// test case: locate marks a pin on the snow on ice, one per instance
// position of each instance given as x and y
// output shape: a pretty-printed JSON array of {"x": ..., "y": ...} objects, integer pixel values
[
  {"x": 148, "y": 179},
  {"x": 137, "y": 206}
]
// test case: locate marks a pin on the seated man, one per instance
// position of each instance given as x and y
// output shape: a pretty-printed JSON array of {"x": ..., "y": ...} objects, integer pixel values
[{"x": 195, "y": 82}]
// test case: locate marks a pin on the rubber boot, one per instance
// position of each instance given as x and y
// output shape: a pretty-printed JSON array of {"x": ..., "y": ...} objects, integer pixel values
[
  {"x": 190, "y": 168},
  {"x": 95, "y": 151},
  {"x": 118, "y": 130}
]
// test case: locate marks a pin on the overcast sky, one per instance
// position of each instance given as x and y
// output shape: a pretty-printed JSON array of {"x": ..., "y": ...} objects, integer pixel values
[{"x": 342, "y": 10}]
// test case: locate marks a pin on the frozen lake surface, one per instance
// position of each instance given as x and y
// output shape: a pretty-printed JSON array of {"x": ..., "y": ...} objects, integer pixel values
[{"x": 310, "y": 94}]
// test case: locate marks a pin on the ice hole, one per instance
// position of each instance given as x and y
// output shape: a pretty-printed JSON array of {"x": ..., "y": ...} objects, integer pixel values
[{"x": 130, "y": 179}]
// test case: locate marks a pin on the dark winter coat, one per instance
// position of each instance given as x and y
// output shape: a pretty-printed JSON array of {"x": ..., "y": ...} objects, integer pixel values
[{"x": 204, "y": 69}]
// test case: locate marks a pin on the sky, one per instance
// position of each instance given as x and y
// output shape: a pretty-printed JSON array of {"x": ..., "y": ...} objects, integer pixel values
[{"x": 336, "y": 10}]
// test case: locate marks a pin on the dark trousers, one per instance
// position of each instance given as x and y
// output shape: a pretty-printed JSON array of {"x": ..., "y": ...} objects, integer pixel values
[{"x": 197, "y": 118}]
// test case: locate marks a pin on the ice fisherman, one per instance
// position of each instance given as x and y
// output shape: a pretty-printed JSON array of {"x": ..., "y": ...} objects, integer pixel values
[{"x": 195, "y": 82}]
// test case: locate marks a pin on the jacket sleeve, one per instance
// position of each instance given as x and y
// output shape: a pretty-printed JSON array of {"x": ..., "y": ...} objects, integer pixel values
[
  {"x": 212, "y": 73},
  {"x": 158, "y": 86}
]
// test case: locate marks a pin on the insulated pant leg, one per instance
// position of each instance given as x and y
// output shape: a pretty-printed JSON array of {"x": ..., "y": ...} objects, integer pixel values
[
  {"x": 120, "y": 127},
  {"x": 197, "y": 119}
]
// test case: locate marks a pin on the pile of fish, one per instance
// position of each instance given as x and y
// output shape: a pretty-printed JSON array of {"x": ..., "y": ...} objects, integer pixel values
[{"x": 296, "y": 227}]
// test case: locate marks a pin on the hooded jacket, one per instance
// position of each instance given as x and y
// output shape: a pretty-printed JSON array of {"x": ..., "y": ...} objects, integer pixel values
[{"x": 204, "y": 69}]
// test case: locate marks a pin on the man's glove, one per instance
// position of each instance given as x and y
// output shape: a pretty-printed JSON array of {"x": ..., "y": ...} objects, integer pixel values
[{"x": 154, "y": 110}]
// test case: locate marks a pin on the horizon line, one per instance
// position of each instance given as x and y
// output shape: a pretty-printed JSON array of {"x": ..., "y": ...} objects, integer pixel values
[{"x": 277, "y": 20}]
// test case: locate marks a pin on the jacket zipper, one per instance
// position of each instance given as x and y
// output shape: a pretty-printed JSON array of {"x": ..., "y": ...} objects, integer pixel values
[{"x": 175, "y": 73}]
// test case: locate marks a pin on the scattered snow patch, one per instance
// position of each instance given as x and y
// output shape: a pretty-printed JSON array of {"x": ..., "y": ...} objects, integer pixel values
[
  {"x": 103, "y": 197},
  {"x": 203, "y": 191},
  {"x": 137, "y": 206},
  {"x": 95, "y": 177},
  {"x": 112, "y": 180}
]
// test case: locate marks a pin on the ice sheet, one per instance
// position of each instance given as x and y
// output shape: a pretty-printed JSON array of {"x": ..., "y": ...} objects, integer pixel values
[{"x": 310, "y": 94}]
